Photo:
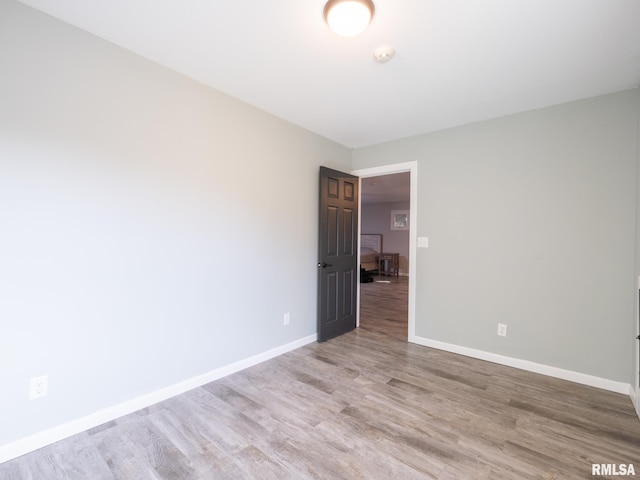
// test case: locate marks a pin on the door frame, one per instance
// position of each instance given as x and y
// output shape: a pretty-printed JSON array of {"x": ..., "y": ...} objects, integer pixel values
[
  {"x": 412, "y": 168},
  {"x": 635, "y": 389}
]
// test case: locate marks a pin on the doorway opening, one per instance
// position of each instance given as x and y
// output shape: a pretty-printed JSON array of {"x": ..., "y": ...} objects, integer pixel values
[{"x": 388, "y": 207}]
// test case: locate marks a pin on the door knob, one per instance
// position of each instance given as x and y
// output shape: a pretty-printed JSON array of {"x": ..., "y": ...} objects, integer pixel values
[{"x": 324, "y": 265}]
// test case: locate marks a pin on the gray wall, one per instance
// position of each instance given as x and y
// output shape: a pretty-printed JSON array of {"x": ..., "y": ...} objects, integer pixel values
[
  {"x": 531, "y": 222},
  {"x": 152, "y": 229},
  {"x": 376, "y": 218}
]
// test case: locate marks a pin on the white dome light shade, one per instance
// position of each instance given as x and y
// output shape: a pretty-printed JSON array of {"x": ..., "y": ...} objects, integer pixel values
[{"x": 348, "y": 17}]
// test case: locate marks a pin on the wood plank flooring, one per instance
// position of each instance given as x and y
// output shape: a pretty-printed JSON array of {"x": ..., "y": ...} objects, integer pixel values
[{"x": 366, "y": 405}]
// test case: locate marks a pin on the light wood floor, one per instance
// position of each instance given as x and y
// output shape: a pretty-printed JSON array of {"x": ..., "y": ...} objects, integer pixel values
[{"x": 366, "y": 405}]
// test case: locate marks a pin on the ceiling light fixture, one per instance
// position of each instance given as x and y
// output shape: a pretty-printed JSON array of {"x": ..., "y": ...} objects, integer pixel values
[{"x": 348, "y": 17}]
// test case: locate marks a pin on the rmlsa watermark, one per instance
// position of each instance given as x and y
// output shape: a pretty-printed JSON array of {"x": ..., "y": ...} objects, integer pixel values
[{"x": 613, "y": 469}]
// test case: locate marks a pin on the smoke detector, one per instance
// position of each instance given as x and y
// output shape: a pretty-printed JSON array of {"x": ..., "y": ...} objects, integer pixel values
[{"x": 383, "y": 54}]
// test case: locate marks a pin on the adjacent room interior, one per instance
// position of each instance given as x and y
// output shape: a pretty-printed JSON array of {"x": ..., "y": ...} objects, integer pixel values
[{"x": 384, "y": 244}]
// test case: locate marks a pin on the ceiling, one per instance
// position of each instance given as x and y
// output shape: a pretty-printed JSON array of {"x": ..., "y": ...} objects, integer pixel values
[
  {"x": 457, "y": 61},
  {"x": 386, "y": 188}
]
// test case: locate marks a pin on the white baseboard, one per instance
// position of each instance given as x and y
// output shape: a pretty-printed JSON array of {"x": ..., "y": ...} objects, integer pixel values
[
  {"x": 60, "y": 432},
  {"x": 633, "y": 393},
  {"x": 582, "y": 378}
]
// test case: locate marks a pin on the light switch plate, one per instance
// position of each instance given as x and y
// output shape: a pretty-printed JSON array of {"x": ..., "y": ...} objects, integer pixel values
[{"x": 423, "y": 242}]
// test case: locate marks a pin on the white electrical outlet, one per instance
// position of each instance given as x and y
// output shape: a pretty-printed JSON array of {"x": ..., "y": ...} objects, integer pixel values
[
  {"x": 502, "y": 330},
  {"x": 287, "y": 318},
  {"x": 38, "y": 387},
  {"x": 423, "y": 242}
]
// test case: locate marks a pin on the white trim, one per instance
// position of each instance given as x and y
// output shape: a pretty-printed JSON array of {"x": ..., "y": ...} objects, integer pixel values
[
  {"x": 634, "y": 399},
  {"x": 358, "y": 253},
  {"x": 636, "y": 394},
  {"x": 60, "y": 432},
  {"x": 635, "y": 389},
  {"x": 412, "y": 168},
  {"x": 577, "y": 377}
]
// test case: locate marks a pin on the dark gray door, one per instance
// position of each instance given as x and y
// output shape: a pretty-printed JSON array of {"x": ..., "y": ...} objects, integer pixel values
[{"x": 337, "y": 253}]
